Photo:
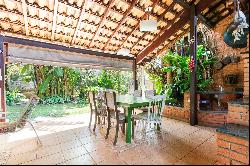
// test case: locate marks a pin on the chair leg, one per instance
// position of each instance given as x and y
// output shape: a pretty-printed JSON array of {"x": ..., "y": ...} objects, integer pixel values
[
  {"x": 95, "y": 121},
  {"x": 123, "y": 127},
  {"x": 99, "y": 120},
  {"x": 133, "y": 128},
  {"x": 109, "y": 125},
  {"x": 90, "y": 121},
  {"x": 40, "y": 142},
  {"x": 117, "y": 129}
]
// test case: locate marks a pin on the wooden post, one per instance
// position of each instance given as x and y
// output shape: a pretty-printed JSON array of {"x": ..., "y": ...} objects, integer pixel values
[
  {"x": 2, "y": 79},
  {"x": 135, "y": 75},
  {"x": 193, "y": 79}
]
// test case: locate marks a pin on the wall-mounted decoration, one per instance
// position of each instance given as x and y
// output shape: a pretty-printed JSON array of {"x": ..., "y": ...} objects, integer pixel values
[{"x": 236, "y": 33}]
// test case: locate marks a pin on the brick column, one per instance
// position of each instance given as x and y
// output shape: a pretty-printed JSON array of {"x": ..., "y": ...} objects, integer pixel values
[
  {"x": 233, "y": 146},
  {"x": 246, "y": 77}
]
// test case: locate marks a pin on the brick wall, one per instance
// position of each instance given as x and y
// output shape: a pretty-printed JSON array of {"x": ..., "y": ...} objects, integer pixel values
[
  {"x": 246, "y": 76},
  {"x": 177, "y": 113},
  {"x": 232, "y": 150},
  {"x": 212, "y": 119},
  {"x": 205, "y": 118},
  {"x": 223, "y": 51},
  {"x": 238, "y": 114}
]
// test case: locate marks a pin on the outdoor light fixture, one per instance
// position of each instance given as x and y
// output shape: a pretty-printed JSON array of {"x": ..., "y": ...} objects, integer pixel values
[
  {"x": 148, "y": 25},
  {"x": 124, "y": 52}
]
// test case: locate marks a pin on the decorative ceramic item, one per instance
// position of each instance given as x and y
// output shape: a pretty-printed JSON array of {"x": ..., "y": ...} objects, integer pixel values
[{"x": 236, "y": 33}]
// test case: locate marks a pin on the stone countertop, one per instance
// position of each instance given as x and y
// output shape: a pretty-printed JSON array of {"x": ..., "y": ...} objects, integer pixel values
[
  {"x": 235, "y": 130},
  {"x": 220, "y": 92},
  {"x": 239, "y": 103}
]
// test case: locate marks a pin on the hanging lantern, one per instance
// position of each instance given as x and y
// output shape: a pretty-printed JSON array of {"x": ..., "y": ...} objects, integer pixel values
[{"x": 148, "y": 25}]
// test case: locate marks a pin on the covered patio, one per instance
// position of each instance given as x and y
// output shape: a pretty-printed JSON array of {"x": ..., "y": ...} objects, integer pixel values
[
  {"x": 209, "y": 126},
  {"x": 69, "y": 141}
]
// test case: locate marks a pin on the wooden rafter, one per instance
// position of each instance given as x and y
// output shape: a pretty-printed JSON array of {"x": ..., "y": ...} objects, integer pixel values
[
  {"x": 142, "y": 9},
  {"x": 160, "y": 18},
  {"x": 121, "y": 21},
  {"x": 103, "y": 18},
  {"x": 25, "y": 17},
  {"x": 173, "y": 41},
  {"x": 32, "y": 43},
  {"x": 79, "y": 22},
  {"x": 220, "y": 12},
  {"x": 175, "y": 26},
  {"x": 54, "y": 20},
  {"x": 201, "y": 17},
  {"x": 215, "y": 6},
  {"x": 137, "y": 26},
  {"x": 163, "y": 30}
]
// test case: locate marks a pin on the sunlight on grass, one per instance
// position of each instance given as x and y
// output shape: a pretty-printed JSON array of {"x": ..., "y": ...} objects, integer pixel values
[{"x": 53, "y": 110}]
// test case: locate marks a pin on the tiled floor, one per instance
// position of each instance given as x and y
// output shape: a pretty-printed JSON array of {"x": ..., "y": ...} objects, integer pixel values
[{"x": 68, "y": 140}]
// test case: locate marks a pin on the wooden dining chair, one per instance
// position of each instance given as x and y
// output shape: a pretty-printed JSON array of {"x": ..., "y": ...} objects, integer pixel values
[
  {"x": 97, "y": 108},
  {"x": 114, "y": 113}
]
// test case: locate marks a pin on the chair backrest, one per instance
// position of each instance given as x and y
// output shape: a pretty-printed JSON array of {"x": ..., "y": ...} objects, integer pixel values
[
  {"x": 111, "y": 100},
  {"x": 137, "y": 93},
  {"x": 149, "y": 93},
  {"x": 160, "y": 103}
]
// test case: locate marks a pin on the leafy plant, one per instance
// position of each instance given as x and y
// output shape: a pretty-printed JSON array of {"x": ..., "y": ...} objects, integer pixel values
[
  {"x": 178, "y": 67},
  {"x": 13, "y": 97}
]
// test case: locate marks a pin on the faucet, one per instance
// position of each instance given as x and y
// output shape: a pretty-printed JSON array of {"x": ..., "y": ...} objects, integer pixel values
[{"x": 221, "y": 88}]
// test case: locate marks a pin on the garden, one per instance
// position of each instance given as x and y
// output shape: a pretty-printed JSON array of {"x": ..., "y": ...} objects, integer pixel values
[{"x": 62, "y": 90}]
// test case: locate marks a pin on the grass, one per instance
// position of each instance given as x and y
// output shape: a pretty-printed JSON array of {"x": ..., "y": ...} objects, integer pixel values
[{"x": 49, "y": 110}]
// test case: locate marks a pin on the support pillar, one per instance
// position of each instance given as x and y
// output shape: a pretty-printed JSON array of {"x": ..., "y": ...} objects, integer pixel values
[
  {"x": 193, "y": 77},
  {"x": 135, "y": 76},
  {"x": 2, "y": 79},
  {"x": 143, "y": 87}
]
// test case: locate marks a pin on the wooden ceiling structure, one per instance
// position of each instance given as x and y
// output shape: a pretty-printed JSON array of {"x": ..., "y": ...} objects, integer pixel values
[{"x": 107, "y": 25}]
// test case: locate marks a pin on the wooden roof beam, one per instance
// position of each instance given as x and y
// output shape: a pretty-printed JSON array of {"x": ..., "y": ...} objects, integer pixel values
[
  {"x": 54, "y": 19},
  {"x": 107, "y": 10},
  {"x": 171, "y": 42},
  {"x": 121, "y": 21},
  {"x": 164, "y": 29},
  {"x": 203, "y": 19},
  {"x": 40, "y": 44},
  {"x": 215, "y": 6},
  {"x": 138, "y": 8},
  {"x": 175, "y": 26},
  {"x": 138, "y": 24},
  {"x": 25, "y": 17},
  {"x": 79, "y": 22}
]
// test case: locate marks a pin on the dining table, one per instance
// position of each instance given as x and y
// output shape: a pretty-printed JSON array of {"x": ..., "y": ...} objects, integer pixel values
[{"x": 129, "y": 103}]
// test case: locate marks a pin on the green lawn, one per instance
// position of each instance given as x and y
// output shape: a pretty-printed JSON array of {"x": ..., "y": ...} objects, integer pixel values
[{"x": 49, "y": 110}]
